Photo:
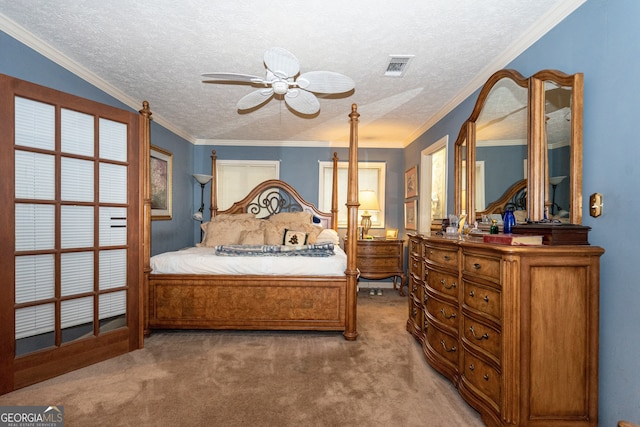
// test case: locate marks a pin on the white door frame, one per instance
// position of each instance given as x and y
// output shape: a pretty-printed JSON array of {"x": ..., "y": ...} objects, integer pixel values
[{"x": 425, "y": 181}]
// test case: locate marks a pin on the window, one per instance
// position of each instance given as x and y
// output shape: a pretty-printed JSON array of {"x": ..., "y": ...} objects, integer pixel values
[
  {"x": 371, "y": 176},
  {"x": 237, "y": 177},
  {"x": 433, "y": 183}
]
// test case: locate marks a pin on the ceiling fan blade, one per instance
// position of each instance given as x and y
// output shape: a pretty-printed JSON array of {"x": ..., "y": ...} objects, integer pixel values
[
  {"x": 302, "y": 101},
  {"x": 325, "y": 82},
  {"x": 255, "y": 99},
  {"x": 281, "y": 62},
  {"x": 231, "y": 77}
]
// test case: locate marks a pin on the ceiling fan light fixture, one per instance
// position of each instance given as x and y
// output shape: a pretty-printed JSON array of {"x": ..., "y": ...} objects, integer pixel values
[
  {"x": 282, "y": 69},
  {"x": 280, "y": 87}
]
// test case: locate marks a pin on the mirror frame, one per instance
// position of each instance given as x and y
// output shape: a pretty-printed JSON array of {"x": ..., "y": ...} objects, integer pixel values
[{"x": 538, "y": 180}]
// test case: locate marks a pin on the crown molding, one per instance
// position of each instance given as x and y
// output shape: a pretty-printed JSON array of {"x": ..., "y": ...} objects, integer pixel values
[
  {"x": 303, "y": 144},
  {"x": 25, "y": 37}
]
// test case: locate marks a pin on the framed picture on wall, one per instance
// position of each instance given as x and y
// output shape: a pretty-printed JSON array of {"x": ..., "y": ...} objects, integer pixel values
[
  {"x": 411, "y": 182},
  {"x": 161, "y": 170},
  {"x": 411, "y": 215}
]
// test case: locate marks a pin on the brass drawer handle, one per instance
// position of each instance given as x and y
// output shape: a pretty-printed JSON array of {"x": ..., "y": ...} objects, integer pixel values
[
  {"x": 477, "y": 266},
  {"x": 473, "y": 294},
  {"x": 447, "y": 258},
  {"x": 483, "y": 337},
  {"x": 444, "y": 313},
  {"x": 444, "y": 284},
  {"x": 444, "y": 345},
  {"x": 486, "y": 377},
  {"x": 472, "y": 367}
]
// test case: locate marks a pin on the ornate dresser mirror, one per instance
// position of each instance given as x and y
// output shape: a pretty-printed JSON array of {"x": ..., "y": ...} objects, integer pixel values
[{"x": 524, "y": 138}]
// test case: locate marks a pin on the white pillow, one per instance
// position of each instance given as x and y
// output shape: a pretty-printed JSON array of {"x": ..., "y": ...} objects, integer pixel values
[{"x": 328, "y": 235}]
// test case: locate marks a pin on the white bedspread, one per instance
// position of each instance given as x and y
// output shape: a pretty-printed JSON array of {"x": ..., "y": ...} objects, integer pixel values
[{"x": 204, "y": 261}]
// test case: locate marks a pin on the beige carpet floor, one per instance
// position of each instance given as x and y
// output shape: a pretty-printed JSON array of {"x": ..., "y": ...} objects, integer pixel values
[{"x": 245, "y": 378}]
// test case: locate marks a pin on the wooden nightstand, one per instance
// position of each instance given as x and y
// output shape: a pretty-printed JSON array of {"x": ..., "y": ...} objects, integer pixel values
[{"x": 380, "y": 259}]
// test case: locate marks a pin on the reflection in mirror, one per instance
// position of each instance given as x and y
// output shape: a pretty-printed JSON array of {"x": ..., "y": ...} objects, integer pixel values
[
  {"x": 501, "y": 141},
  {"x": 558, "y": 134},
  {"x": 460, "y": 160},
  {"x": 556, "y": 138}
]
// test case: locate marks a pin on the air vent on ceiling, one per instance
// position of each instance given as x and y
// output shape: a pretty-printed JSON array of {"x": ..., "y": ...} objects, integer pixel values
[{"x": 397, "y": 65}]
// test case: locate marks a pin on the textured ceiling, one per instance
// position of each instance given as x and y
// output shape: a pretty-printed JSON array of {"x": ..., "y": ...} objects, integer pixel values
[{"x": 157, "y": 51}]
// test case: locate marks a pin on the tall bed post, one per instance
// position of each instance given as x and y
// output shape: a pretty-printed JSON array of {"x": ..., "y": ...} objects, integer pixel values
[
  {"x": 334, "y": 194},
  {"x": 145, "y": 170},
  {"x": 213, "y": 203},
  {"x": 351, "y": 272}
]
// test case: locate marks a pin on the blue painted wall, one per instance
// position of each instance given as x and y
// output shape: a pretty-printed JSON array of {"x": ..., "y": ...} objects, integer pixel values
[
  {"x": 22, "y": 62},
  {"x": 299, "y": 166},
  {"x": 600, "y": 39}
]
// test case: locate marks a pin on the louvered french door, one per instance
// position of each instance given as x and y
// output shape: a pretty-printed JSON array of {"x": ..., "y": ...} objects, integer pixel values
[{"x": 70, "y": 260}]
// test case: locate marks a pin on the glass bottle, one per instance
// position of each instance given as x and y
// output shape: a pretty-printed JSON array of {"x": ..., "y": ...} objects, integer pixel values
[
  {"x": 494, "y": 227},
  {"x": 509, "y": 221}
]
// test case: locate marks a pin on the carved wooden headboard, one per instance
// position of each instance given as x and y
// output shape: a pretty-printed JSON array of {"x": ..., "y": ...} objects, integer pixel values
[
  {"x": 514, "y": 198},
  {"x": 276, "y": 196}
]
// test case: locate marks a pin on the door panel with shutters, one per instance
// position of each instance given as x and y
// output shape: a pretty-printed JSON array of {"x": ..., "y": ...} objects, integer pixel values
[{"x": 70, "y": 265}]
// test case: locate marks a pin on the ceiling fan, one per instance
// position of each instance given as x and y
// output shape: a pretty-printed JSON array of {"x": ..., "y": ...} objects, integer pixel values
[{"x": 283, "y": 79}]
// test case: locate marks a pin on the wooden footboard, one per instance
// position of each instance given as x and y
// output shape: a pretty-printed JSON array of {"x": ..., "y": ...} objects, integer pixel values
[{"x": 247, "y": 302}]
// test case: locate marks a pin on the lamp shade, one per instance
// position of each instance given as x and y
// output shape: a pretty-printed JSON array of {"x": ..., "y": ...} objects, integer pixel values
[
  {"x": 368, "y": 200},
  {"x": 555, "y": 180},
  {"x": 202, "y": 179}
]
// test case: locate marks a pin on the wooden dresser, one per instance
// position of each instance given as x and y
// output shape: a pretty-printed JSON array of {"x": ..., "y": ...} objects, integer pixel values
[
  {"x": 515, "y": 328},
  {"x": 380, "y": 259}
]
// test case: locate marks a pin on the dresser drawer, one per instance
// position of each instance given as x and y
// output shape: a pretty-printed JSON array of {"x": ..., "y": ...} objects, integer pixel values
[
  {"x": 415, "y": 315},
  {"x": 482, "y": 336},
  {"x": 483, "y": 299},
  {"x": 444, "y": 345},
  {"x": 442, "y": 312},
  {"x": 416, "y": 288},
  {"x": 415, "y": 247},
  {"x": 483, "y": 377},
  {"x": 444, "y": 257},
  {"x": 415, "y": 265},
  {"x": 443, "y": 283},
  {"x": 482, "y": 266}
]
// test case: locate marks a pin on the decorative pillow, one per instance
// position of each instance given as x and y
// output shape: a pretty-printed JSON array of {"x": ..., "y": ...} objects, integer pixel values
[
  {"x": 252, "y": 237},
  {"x": 328, "y": 235},
  {"x": 313, "y": 231},
  {"x": 294, "y": 238},
  {"x": 292, "y": 217},
  {"x": 221, "y": 217},
  {"x": 227, "y": 232},
  {"x": 274, "y": 233}
]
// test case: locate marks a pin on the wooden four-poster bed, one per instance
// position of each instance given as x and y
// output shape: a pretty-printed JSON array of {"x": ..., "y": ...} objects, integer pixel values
[{"x": 280, "y": 300}]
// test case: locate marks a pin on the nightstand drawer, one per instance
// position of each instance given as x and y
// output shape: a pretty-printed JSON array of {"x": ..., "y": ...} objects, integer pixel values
[
  {"x": 379, "y": 265},
  {"x": 378, "y": 249}
]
